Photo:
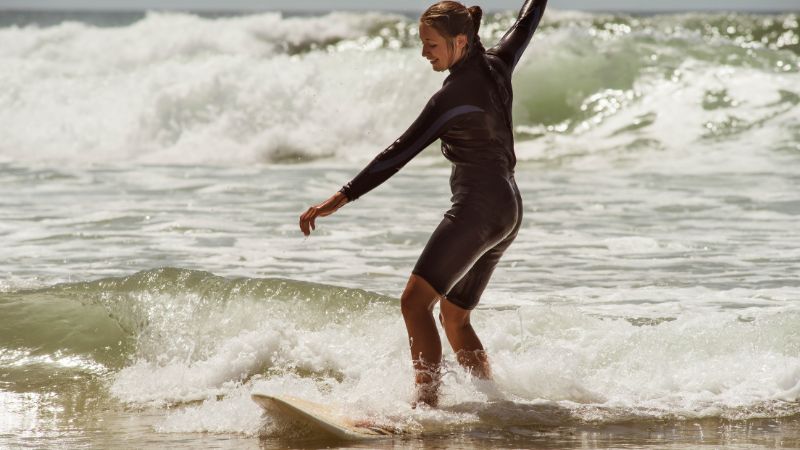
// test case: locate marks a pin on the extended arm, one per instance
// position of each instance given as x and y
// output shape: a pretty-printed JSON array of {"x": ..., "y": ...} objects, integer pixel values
[
  {"x": 433, "y": 121},
  {"x": 516, "y": 39}
]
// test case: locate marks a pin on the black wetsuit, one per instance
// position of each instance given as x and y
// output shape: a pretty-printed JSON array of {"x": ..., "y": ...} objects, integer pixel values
[{"x": 471, "y": 114}]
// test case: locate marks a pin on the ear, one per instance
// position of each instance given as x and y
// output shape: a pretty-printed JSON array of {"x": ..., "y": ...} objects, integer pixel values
[{"x": 461, "y": 41}]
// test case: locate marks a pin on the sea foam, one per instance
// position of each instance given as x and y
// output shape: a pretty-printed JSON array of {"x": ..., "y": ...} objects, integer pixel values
[{"x": 181, "y": 89}]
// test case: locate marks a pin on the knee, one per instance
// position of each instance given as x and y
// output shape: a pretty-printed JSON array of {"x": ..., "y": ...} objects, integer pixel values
[
  {"x": 411, "y": 306},
  {"x": 452, "y": 323},
  {"x": 418, "y": 297},
  {"x": 408, "y": 306},
  {"x": 453, "y": 317}
]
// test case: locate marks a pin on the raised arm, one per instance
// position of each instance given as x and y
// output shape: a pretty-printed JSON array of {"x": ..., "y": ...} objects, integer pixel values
[
  {"x": 516, "y": 39},
  {"x": 433, "y": 121}
]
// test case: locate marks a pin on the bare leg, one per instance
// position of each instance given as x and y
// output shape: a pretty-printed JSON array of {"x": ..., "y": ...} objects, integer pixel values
[
  {"x": 417, "y": 304},
  {"x": 466, "y": 345}
]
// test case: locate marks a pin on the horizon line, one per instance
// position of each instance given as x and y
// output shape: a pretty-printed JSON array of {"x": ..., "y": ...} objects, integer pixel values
[{"x": 389, "y": 10}]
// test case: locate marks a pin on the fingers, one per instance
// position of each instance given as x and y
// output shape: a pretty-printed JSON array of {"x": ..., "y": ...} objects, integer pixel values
[
  {"x": 308, "y": 218},
  {"x": 304, "y": 227}
]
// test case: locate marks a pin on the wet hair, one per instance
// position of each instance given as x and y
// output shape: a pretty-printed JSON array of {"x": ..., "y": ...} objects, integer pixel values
[{"x": 451, "y": 18}]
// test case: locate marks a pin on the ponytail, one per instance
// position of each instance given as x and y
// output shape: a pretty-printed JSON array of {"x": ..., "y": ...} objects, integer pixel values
[{"x": 476, "y": 13}]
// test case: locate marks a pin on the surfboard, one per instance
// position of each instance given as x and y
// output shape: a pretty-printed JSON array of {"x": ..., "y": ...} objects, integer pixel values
[{"x": 320, "y": 417}]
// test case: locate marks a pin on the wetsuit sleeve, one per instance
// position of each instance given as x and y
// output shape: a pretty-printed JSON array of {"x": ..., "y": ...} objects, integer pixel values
[
  {"x": 434, "y": 120},
  {"x": 516, "y": 39}
]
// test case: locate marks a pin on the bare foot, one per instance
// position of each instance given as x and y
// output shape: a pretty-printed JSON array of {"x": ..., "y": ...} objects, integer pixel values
[
  {"x": 427, "y": 394},
  {"x": 427, "y": 381},
  {"x": 476, "y": 362}
]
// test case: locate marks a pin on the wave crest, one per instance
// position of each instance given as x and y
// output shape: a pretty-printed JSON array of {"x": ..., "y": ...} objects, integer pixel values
[{"x": 181, "y": 89}]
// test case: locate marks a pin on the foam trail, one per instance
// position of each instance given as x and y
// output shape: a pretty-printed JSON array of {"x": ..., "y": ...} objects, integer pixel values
[
  {"x": 593, "y": 368},
  {"x": 212, "y": 339}
]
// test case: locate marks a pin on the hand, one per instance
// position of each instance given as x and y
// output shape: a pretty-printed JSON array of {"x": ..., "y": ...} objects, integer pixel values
[{"x": 325, "y": 208}]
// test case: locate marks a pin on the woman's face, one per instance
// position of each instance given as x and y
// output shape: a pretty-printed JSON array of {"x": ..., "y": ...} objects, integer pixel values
[{"x": 436, "y": 49}]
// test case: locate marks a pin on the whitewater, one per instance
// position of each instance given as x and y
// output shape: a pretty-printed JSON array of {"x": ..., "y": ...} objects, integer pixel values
[{"x": 153, "y": 168}]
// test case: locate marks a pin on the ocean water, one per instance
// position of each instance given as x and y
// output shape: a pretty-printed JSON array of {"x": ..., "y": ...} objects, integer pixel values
[{"x": 153, "y": 168}]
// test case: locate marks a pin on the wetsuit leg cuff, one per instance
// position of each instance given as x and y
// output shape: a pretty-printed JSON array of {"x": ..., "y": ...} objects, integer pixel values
[
  {"x": 468, "y": 306},
  {"x": 438, "y": 289}
]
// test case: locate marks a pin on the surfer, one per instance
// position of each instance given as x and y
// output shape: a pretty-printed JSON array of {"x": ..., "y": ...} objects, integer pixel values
[{"x": 471, "y": 114}]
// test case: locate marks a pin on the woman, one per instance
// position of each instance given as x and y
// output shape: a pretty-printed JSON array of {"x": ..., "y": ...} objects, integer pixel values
[{"x": 471, "y": 114}]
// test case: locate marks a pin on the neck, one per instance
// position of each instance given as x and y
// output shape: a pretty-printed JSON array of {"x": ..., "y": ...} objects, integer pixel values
[
  {"x": 458, "y": 58},
  {"x": 460, "y": 61}
]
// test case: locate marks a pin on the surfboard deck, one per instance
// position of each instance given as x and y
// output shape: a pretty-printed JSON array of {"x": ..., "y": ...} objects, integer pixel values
[{"x": 320, "y": 417}]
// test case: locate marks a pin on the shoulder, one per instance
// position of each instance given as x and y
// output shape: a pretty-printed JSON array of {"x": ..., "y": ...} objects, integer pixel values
[
  {"x": 454, "y": 89},
  {"x": 456, "y": 98},
  {"x": 497, "y": 63},
  {"x": 440, "y": 98}
]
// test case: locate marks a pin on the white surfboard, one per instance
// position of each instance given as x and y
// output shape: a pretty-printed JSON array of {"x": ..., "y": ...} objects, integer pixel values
[{"x": 320, "y": 417}]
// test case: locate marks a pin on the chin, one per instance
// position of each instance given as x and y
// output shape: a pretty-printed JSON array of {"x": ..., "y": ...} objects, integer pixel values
[{"x": 437, "y": 67}]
